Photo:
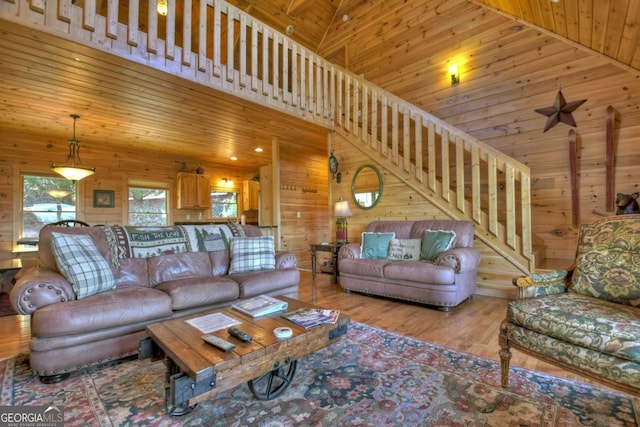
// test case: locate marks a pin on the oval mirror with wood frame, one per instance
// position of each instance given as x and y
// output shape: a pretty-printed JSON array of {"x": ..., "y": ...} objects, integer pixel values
[{"x": 366, "y": 187}]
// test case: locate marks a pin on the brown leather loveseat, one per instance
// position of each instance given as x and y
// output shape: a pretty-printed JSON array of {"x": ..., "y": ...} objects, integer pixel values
[
  {"x": 443, "y": 274},
  {"x": 70, "y": 333}
]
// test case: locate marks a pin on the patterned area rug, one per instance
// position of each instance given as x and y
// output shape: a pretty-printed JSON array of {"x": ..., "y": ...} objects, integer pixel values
[{"x": 370, "y": 378}]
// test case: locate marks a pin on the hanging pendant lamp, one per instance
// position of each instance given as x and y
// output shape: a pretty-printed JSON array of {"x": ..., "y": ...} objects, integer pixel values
[{"x": 73, "y": 172}]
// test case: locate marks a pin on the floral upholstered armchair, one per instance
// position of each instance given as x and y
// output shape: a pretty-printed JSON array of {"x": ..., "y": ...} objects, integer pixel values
[{"x": 587, "y": 318}]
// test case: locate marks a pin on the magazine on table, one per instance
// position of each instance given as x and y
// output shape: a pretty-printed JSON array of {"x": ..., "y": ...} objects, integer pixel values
[
  {"x": 310, "y": 317},
  {"x": 213, "y": 322},
  {"x": 260, "y": 306}
]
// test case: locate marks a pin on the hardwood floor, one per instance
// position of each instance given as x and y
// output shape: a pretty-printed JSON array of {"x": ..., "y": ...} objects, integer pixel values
[{"x": 471, "y": 327}]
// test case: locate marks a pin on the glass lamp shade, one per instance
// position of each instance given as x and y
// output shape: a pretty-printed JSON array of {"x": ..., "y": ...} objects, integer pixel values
[
  {"x": 73, "y": 173},
  {"x": 58, "y": 194},
  {"x": 341, "y": 209}
]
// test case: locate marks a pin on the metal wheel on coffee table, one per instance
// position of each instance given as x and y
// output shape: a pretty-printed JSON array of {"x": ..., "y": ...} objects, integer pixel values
[{"x": 273, "y": 383}]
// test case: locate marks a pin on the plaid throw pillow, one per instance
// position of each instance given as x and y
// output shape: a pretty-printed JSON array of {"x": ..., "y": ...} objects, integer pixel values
[
  {"x": 80, "y": 262},
  {"x": 251, "y": 254}
]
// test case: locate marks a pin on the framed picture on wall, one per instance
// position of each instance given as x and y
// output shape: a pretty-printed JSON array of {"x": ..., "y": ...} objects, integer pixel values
[{"x": 104, "y": 199}]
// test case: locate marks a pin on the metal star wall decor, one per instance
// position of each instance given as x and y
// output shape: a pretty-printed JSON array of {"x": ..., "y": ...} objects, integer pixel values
[{"x": 560, "y": 111}]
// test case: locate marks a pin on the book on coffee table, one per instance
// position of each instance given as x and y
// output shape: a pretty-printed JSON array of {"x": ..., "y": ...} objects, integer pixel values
[
  {"x": 260, "y": 306},
  {"x": 310, "y": 317}
]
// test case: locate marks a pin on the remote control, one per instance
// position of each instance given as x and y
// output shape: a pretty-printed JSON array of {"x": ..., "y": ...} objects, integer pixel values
[
  {"x": 218, "y": 342},
  {"x": 241, "y": 335}
]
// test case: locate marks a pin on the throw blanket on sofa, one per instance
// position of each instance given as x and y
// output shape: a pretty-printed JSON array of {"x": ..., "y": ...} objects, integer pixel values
[{"x": 145, "y": 242}]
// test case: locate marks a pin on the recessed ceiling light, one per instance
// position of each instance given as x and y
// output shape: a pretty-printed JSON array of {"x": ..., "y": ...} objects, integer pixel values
[
  {"x": 259, "y": 150},
  {"x": 234, "y": 158},
  {"x": 555, "y": 1},
  {"x": 345, "y": 17}
]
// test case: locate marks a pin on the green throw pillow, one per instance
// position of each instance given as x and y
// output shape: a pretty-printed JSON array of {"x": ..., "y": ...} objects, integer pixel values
[
  {"x": 375, "y": 245},
  {"x": 435, "y": 242},
  {"x": 81, "y": 264}
]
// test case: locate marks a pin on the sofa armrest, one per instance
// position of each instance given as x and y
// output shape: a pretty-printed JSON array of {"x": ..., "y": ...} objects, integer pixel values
[
  {"x": 550, "y": 282},
  {"x": 460, "y": 259},
  {"x": 285, "y": 260},
  {"x": 350, "y": 250},
  {"x": 39, "y": 287}
]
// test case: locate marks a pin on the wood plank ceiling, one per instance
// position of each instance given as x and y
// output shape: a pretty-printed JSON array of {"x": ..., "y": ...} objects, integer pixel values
[
  {"x": 610, "y": 27},
  {"x": 130, "y": 106}
]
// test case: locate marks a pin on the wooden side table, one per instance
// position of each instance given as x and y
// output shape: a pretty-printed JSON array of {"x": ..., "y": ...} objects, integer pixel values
[{"x": 332, "y": 247}]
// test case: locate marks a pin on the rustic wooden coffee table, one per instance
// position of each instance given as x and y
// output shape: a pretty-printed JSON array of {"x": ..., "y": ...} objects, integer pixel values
[{"x": 197, "y": 371}]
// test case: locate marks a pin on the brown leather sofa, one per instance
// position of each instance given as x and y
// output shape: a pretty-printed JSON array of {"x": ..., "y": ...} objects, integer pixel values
[
  {"x": 444, "y": 283},
  {"x": 70, "y": 334}
]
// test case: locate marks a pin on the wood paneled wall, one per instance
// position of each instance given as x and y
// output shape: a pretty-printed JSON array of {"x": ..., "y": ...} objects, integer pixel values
[
  {"x": 304, "y": 188},
  {"x": 507, "y": 70},
  {"x": 33, "y": 153}
]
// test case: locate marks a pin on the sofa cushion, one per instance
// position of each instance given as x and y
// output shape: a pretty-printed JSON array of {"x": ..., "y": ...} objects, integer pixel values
[
  {"x": 80, "y": 262},
  {"x": 256, "y": 283},
  {"x": 404, "y": 250},
  {"x": 101, "y": 311},
  {"x": 608, "y": 262},
  {"x": 199, "y": 291},
  {"x": 436, "y": 242},
  {"x": 219, "y": 263},
  {"x": 420, "y": 271},
  {"x": 363, "y": 267},
  {"x": 251, "y": 254},
  {"x": 46, "y": 257},
  {"x": 185, "y": 265},
  {"x": 375, "y": 245},
  {"x": 132, "y": 272},
  {"x": 588, "y": 322}
]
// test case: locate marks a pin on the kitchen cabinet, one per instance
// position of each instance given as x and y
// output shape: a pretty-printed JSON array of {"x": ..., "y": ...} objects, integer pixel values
[
  {"x": 194, "y": 191},
  {"x": 250, "y": 195}
]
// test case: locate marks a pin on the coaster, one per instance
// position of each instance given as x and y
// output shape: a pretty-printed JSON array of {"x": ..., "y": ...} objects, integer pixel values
[{"x": 283, "y": 332}]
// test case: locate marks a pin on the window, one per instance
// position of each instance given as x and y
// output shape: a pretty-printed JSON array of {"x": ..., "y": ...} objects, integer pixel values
[
  {"x": 46, "y": 199},
  {"x": 224, "y": 204},
  {"x": 147, "y": 206}
]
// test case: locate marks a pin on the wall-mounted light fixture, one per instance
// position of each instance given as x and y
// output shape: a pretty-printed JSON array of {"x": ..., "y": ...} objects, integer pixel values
[
  {"x": 163, "y": 7},
  {"x": 73, "y": 172},
  {"x": 226, "y": 182},
  {"x": 455, "y": 75},
  {"x": 333, "y": 168}
]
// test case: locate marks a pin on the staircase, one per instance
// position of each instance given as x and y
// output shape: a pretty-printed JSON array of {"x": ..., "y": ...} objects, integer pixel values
[{"x": 230, "y": 51}]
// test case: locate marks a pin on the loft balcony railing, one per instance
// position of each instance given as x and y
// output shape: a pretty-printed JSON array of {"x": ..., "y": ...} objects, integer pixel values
[{"x": 217, "y": 45}]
